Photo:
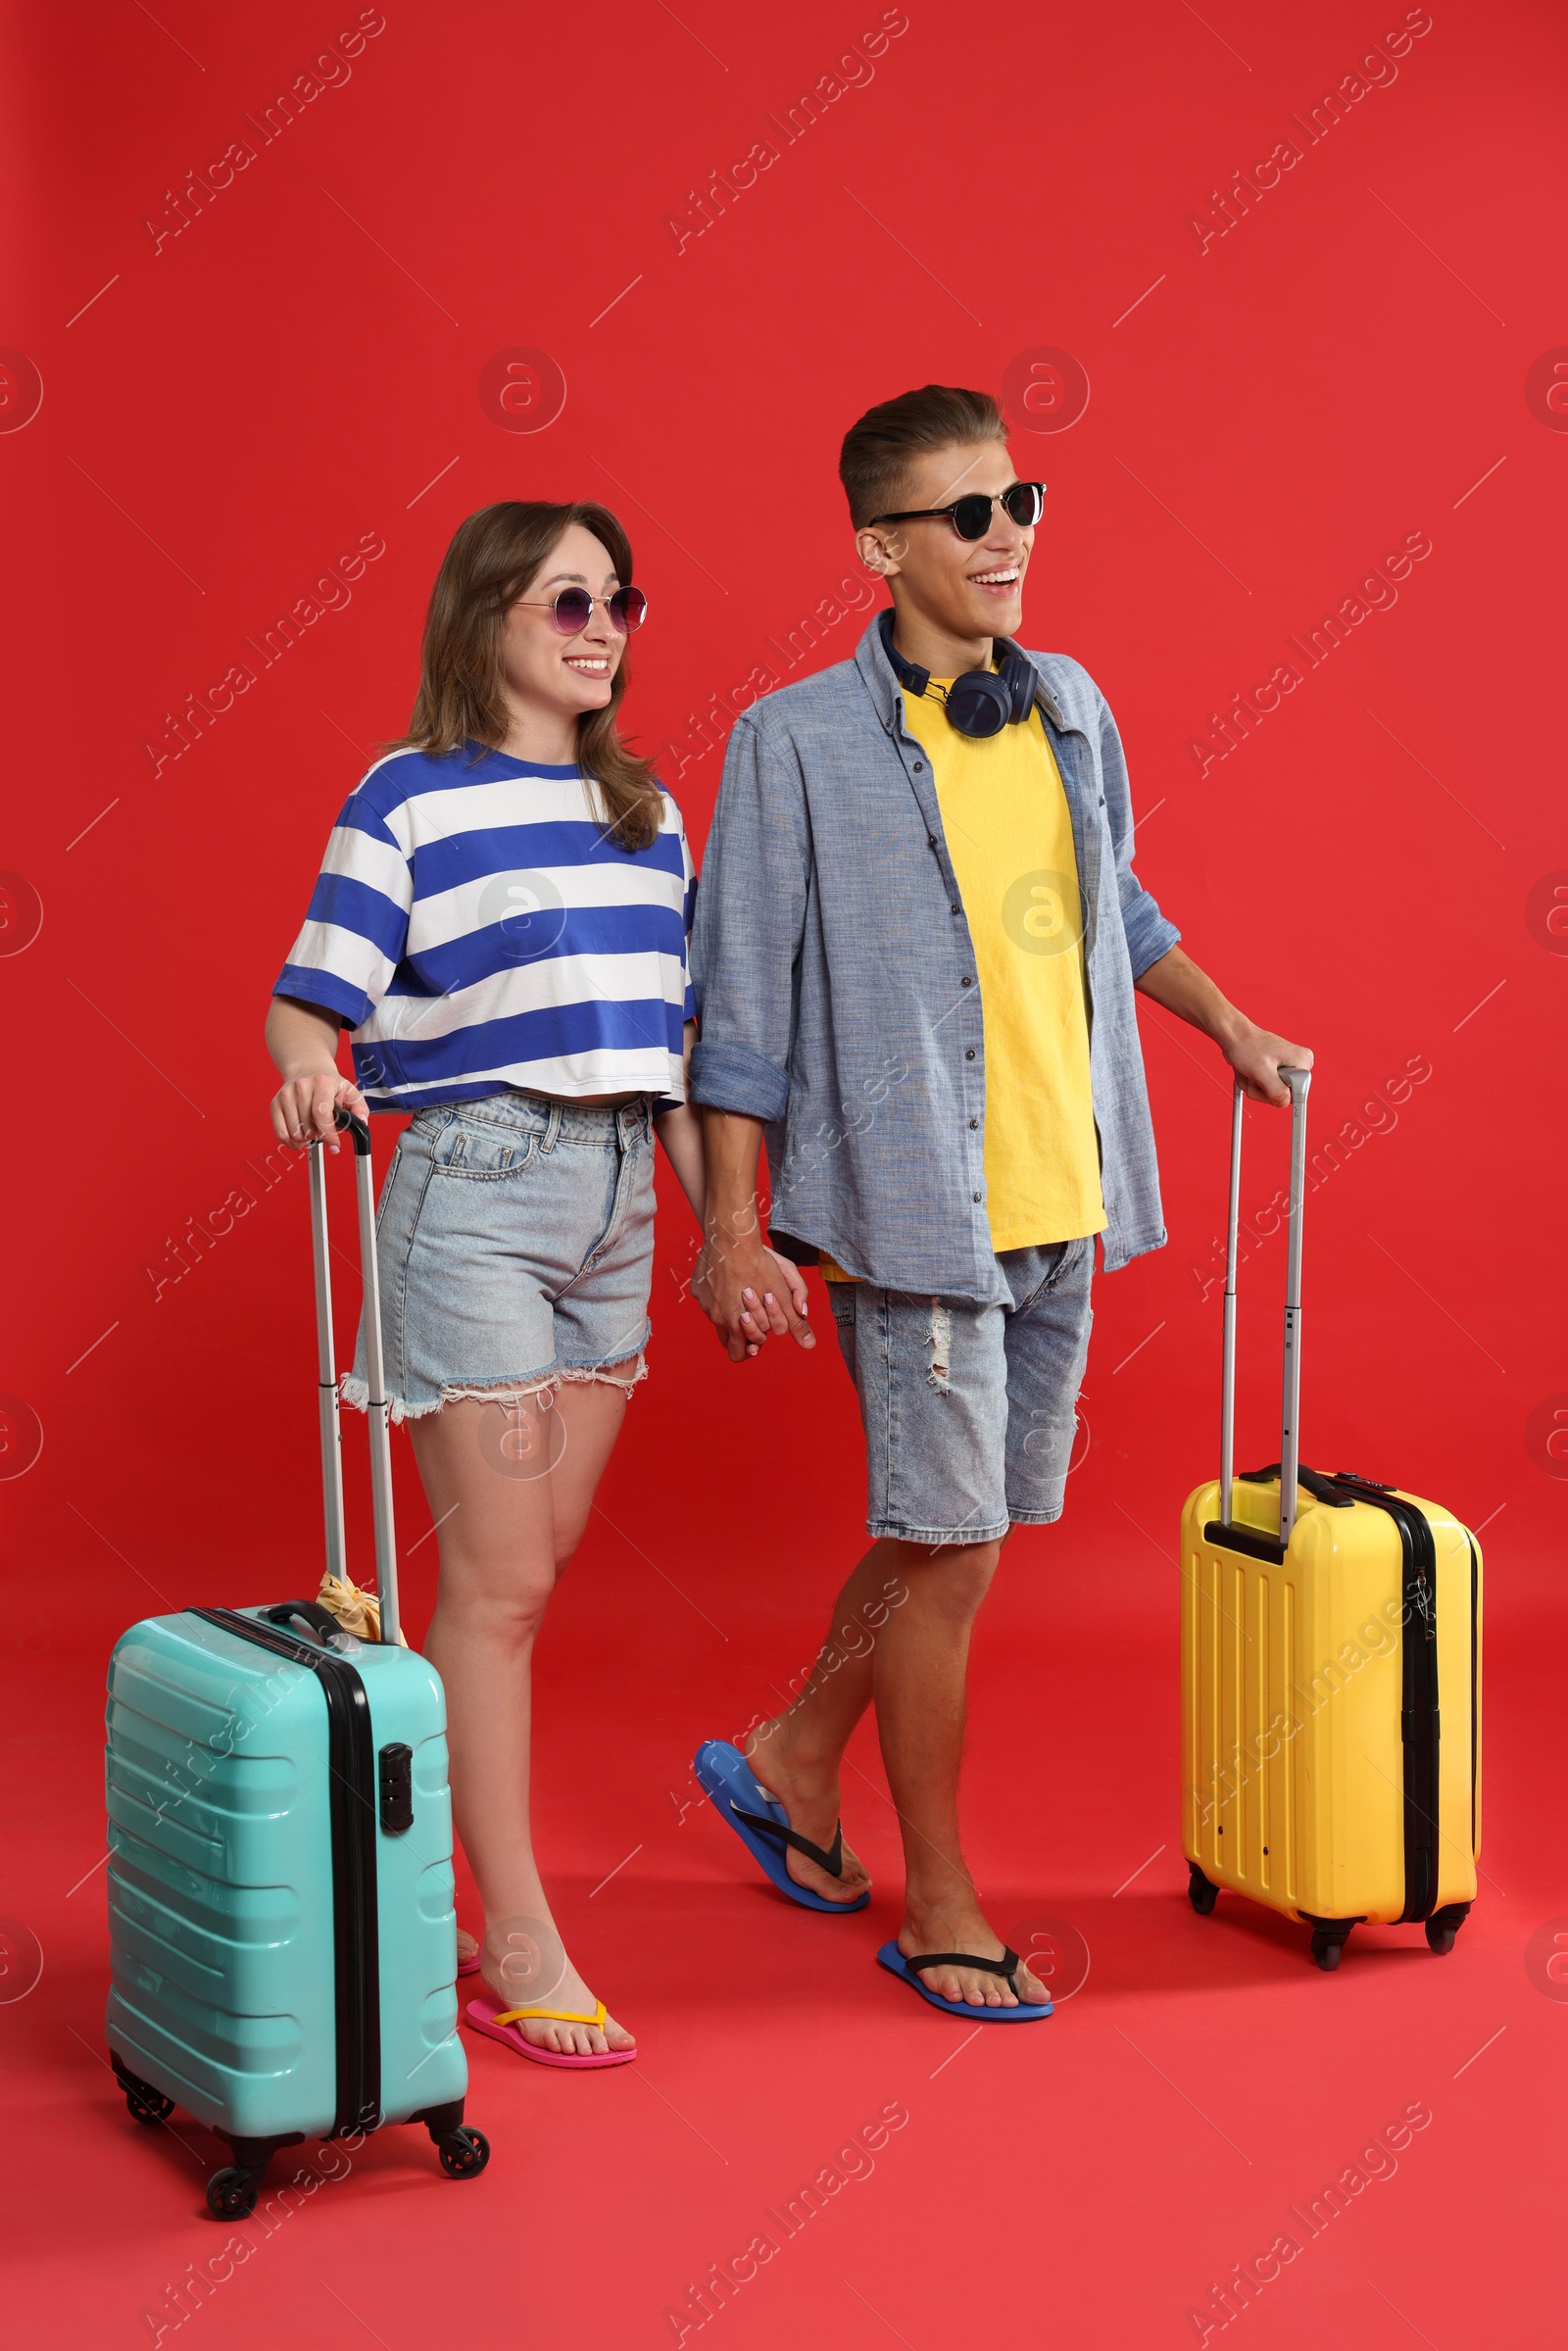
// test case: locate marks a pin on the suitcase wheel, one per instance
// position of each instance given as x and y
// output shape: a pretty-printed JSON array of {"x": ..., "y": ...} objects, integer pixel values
[
  {"x": 1444, "y": 1925},
  {"x": 1329, "y": 1939},
  {"x": 151, "y": 2106},
  {"x": 464, "y": 2153},
  {"x": 1201, "y": 1892},
  {"x": 145, "y": 2103},
  {"x": 231, "y": 2193}
]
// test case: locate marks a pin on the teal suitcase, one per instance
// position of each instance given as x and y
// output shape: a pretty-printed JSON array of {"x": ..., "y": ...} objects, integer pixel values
[{"x": 284, "y": 1938}]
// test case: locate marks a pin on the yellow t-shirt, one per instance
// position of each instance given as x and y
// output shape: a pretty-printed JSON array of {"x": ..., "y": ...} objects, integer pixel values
[{"x": 1009, "y": 834}]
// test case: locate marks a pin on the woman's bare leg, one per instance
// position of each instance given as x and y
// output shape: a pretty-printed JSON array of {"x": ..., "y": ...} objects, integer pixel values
[{"x": 511, "y": 1487}]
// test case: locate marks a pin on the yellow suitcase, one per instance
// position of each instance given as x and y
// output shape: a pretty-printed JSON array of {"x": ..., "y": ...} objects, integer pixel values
[{"x": 1331, "y": 1654}]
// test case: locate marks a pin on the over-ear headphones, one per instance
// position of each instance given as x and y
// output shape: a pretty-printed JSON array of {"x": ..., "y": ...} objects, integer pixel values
[{"x": 982, "y": 702}]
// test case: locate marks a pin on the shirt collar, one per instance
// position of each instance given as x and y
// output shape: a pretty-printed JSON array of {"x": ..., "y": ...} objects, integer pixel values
[{"x": 887, "y": 694}]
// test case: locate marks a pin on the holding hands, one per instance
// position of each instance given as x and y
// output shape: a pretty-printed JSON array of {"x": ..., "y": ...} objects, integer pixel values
[{"x": 749, "y": 1293}]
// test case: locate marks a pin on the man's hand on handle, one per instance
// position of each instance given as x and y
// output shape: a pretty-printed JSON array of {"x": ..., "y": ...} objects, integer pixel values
[{"x": 1257, "y": 1057}]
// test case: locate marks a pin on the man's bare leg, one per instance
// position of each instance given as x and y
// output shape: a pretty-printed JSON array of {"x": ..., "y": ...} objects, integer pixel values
[
  {"x": 795, "y": 1755},
  {"x": 916, "y": 1669},
  {"x": 921, "y": 1672}
]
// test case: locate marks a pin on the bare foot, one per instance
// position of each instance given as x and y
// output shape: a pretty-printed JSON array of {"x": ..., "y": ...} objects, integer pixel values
[
  {"x": 518, "y": 1979},
  {"x": 811, "y": 1803},
  {"x": 964, "y": 1928}
]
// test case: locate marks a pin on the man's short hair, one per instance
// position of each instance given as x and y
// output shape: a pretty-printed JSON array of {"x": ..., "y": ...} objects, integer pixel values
[{"x": 875, "y": 461}]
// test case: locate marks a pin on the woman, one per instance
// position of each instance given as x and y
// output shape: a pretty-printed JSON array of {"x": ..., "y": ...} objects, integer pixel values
[{"x": 501, "y": 919}]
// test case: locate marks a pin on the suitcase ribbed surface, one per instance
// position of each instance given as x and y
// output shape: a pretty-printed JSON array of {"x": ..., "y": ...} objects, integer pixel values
[
  {"x": 225, "y": 1915},
  {"x": 1295, "y": 1725}
]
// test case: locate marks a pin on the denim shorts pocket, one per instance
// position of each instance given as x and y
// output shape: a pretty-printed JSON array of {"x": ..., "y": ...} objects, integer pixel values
[
  {"x": 482, "y": 1154},
  {"x": 841, "y": 1303},
  {"x": 1071, "y": 1258},
  {"x": 1067, "y": 1264}
]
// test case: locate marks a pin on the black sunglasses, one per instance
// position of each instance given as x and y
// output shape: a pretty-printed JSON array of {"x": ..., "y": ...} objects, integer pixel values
[{"x": 970, "y": 514}]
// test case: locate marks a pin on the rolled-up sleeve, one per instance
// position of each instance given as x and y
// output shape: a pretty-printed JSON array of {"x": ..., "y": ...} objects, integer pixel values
[
  {"x": 1149, "y": 934},
  {"x": 748, "y": 927}
]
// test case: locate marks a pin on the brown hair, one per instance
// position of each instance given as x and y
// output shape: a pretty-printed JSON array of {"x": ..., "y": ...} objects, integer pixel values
[
  {"x": 491, "y": 560},
  {"x": 875, "y": 461}
]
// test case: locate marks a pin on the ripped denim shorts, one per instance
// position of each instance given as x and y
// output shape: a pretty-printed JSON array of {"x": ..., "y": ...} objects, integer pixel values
[
  {"x": 516, "y": 1247},
  {"x": 970, "y": 1412}
]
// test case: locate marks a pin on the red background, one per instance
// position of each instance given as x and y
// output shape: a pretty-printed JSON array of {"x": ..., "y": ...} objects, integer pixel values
[{"x": 1371, "y": 873}]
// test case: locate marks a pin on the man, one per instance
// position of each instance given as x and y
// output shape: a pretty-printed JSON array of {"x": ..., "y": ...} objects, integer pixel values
[{"x": 917, "y": 941}]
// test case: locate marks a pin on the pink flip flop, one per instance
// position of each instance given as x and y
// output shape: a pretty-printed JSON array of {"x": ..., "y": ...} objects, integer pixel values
[
  {"x": 500, "y": 2023},
  {"x": 469, "y": 1966}
]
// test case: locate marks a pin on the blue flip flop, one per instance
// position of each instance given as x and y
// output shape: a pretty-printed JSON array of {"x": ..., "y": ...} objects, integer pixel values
[
  {"x": 763, "y": 1825},
  {"x": 1026, "y": 2012}
]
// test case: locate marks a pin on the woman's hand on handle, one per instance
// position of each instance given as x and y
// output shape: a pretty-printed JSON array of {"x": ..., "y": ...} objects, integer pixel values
[
  {"x": 302, "y": 1040},
  {"x": 305, "y": 1107}
]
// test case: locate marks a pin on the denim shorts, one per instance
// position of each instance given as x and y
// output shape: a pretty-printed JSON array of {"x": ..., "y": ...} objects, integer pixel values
[
  {"x": 516, "y": 1247},
  {"x": 970, "y": 1412}
]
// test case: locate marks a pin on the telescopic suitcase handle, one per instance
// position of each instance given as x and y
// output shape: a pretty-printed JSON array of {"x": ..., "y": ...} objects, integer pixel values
[
  {"x": 386, "y": 1561},
  {"x": 1297, "y": 1080}
]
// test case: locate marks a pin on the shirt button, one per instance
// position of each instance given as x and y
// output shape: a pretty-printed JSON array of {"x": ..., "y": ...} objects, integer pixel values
[
  {"x": 967, "y": 981},
  {"x": 919, "y": 766},
  {"x": 930, "y": 840},
  {"x": 968, "y": 1052},
  {"x": 974, "y": 1122},
  {"x": 955, "y": 909},
  {"x": 977, "y": 1195}
]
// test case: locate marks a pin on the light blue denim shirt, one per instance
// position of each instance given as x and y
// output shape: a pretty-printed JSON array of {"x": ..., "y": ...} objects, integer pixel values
[{"x": 837, "y": 988}]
